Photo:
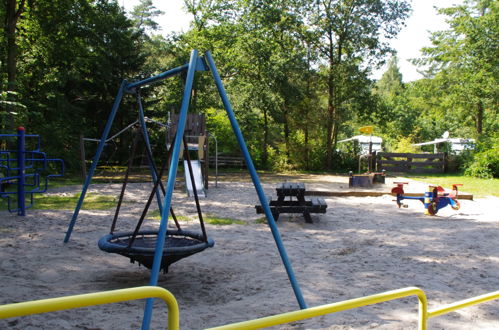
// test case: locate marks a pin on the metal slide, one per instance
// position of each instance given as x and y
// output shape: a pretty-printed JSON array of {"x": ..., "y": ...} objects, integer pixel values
[{"x": 198, "y": 178}]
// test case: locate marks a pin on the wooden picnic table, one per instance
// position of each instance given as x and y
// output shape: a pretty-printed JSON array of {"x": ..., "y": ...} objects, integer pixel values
[{"x": 291, "y": 199}]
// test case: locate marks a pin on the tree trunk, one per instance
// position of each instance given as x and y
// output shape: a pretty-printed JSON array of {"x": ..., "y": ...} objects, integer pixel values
[
  {"x": 335, "y": 139},
  {"x": 265, "y": 156},
  {"x": 12, "y": 14},
  {"x": 307, "y": 147},
  {"x": 331, "y": 115},
  {"x": 479, "y": 118},
  {"x": 286, "y": 134}
]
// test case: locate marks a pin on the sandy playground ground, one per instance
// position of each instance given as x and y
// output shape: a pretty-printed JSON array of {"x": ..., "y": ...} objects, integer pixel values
[{"x": 361, "y": 246}]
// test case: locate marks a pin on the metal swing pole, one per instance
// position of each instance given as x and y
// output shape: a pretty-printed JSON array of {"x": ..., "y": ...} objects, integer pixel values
[
  {"x": 158, "y": 254},
  {"x": 147, "y": 142},
  {"x": 256, "y": 182},
  {"x": 100, "y": 147}
]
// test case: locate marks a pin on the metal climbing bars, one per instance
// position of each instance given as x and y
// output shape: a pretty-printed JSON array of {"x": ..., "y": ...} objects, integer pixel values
[{"x": 24, "y": 168}]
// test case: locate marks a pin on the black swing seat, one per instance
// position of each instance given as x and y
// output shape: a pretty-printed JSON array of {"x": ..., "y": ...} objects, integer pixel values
[{"x": 178, "y": 244}]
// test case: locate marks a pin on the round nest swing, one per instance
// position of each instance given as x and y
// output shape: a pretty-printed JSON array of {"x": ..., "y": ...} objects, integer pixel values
[{"x": 178, "y": 244}]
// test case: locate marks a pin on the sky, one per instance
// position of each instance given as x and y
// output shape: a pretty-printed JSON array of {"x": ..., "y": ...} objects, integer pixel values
[{"x": 413, "y": 37}]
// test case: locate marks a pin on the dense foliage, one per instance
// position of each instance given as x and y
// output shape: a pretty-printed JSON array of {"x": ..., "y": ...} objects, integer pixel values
[{"x": 297, "y": 72}]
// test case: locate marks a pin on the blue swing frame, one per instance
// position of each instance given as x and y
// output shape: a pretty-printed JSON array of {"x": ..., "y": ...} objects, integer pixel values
[{"x": 196, "y": 63}]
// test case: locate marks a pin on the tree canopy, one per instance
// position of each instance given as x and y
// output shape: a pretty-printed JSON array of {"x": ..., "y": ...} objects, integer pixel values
[{"x": 298, "y": 73}]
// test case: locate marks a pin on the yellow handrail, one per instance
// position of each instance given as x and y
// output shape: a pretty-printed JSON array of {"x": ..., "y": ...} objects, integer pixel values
[
  {"x": 463, "y": 303},
  {"x": 92, "y": 299},
  {"x": 107, "y": 297},
  {"x": 336, "y": 307}
]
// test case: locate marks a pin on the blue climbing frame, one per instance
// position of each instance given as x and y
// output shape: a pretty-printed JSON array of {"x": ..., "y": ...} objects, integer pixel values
[
  {"x": 26, "y": 167},
  {"x": 196, "y": 63}
]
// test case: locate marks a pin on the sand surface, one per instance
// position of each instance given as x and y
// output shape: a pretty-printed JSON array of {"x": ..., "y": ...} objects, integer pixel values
[{"x": 361, "y": 246}]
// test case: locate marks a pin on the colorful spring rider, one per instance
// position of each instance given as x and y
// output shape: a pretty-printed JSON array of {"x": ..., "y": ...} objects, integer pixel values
[
  {"x": 433, "y": 199},
  {"x": 24, "y": 169}
]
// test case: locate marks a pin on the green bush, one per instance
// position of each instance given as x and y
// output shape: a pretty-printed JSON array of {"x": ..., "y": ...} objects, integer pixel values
[
  {"x": 405, "y": 145},
  {"x": 278, "y": 160},
  {"x": 485, "y": 161}
]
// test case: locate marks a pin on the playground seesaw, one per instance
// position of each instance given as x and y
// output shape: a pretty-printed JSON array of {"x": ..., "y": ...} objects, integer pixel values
[{"x": 434, "y": 199}]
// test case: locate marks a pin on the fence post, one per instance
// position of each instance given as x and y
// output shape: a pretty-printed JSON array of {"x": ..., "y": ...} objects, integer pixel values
[
  {"x": 445, "y": 160},
  {"x": 409, "y": 161}
]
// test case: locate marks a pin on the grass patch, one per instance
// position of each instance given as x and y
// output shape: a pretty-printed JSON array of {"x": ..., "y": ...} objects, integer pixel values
[
  {"x": 102, "y": 175},
  {"x": 92, "y": 202},
  {"x": 212, "y": 220},
  {"x": 223, "y": 221},
  {"x": 155, "y": 215},
  {"x": 65, "y": 181},
  {"x": 477, "y": 187},
  {"x": 262, "y": 220}
]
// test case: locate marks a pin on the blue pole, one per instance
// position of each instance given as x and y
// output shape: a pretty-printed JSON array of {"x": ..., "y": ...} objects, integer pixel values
[
  {"x": 256, "y": 182},
  {"x": 21, "y": 203},
  {"x": 100, "y": 147},
  {"x": 149, "y": 150},
  {"x": 158, "y": 254},
  {"x": 158, "y": 77}
]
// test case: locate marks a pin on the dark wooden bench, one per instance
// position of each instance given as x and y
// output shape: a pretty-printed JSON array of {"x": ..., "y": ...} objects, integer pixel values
[
  {"x": 229, "y": 161},
  {"x": 295, "y": 204}
]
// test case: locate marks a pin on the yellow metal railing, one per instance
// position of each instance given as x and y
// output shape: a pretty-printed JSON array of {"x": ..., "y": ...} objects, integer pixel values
[
  {"x": 108, "y": 297},
  {"x": 463, "y": 303},
  {"x": 92, "y": 299},
  {"x": 424, "y": 314}
]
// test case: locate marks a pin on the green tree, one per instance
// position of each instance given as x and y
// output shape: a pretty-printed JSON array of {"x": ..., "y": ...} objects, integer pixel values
[
  {"x": 391, "y": 83},
  {"x": 258, "y": 41},
  {"x": 464, "y": 59},
  {"x": 393, "y": 115},
  {"x": 143, "y": 16},
  {"x": 74, "y": 55},
  {"x": 347, "y": 36},
  {"x": 11, "y": 12}
]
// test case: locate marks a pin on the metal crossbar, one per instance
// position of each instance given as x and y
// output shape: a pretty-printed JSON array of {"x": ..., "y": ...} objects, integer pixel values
[{"x": 147, "y": 119}]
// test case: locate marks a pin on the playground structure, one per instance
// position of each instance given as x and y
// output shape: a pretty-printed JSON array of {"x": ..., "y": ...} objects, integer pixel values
[
  {"x": 196, "y": 63},
  {"x": 197, "y": 140},
  {"x": 139, "y": 245},
  {"x": 111, "y": 140},
  {"x": 25, "y": 169},
  {"x": 434, "y": 199},
  {"x": 132, "y": 293},
  {"x": 367, "y": 146}
]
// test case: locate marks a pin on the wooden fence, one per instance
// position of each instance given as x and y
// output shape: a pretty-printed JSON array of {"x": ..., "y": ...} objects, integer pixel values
[{"x": 410, "y": 163}]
